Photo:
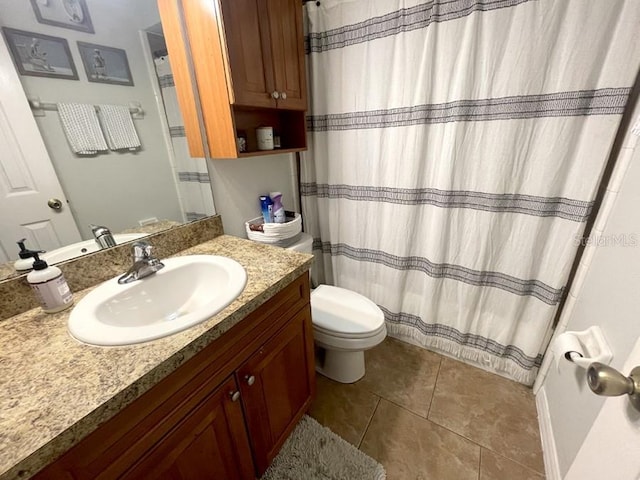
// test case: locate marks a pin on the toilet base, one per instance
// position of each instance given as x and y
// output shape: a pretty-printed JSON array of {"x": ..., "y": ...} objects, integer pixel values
[{"x": 340, "y": 365}]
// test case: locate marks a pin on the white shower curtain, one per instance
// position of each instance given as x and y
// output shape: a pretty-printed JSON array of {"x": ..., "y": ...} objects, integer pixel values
[
  {"x": 456, "y": 147},
  {"x": 194, "y": 186}
]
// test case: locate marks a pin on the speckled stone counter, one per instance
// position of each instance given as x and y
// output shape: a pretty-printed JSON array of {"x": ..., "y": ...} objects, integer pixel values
[{"x": 54, "y": 391}]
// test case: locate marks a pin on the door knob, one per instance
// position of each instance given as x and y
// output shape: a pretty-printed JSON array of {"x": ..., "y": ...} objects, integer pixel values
[
  {"x": 607, "y": 381},
  {"x": 283, "y": 95},
  {"x": 54, "y": 204},
  {"x": 235, "y": 396},
  {"x": 250, "y": 379},
  {"x": 275, "y": 95}
]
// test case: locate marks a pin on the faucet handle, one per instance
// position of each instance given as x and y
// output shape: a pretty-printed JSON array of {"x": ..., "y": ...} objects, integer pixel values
[{"x": 141, "y": 251}]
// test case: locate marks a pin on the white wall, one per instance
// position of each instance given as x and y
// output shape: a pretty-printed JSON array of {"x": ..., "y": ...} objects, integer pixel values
[
  {"x": 114, "y": 189},
  {"x": 237, "y": 184},
  {"x": 605, "y": 293}
]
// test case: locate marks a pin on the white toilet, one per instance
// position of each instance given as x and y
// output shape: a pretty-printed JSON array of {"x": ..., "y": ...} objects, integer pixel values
[{"x": 345, "y": 324}]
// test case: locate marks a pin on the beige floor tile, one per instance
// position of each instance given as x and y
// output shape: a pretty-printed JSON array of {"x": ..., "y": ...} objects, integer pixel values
[
  {"x": 413, "y": 448},
  {"x": 345, "y": 409},
  {"x": 496, "y": 467},
  {"x": 489, "y": 410},
  {"x": 402, "y": 373}
]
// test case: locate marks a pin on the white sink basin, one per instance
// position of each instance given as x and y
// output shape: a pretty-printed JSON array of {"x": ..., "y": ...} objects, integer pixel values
[
  {"x": 76, "y": 249},
  {"x": 187, "y": 291}
]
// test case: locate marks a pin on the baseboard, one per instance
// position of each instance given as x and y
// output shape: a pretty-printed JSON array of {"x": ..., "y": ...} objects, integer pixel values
[{"x": 549, "y": 452}]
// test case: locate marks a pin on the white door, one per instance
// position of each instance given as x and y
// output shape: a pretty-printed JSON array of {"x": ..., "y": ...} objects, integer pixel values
[
  {"x": 611, "y": 449},
  {"x": 27, "y": 177}
]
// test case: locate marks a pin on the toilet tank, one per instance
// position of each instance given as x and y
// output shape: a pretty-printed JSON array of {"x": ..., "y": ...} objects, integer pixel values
[{"x": 304, "y": 245}]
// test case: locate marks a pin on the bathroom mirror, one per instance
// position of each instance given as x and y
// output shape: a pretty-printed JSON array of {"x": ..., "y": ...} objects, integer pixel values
[{"x": 90, "y": 52}]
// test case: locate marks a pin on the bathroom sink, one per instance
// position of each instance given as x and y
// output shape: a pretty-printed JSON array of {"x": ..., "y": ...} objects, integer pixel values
[{"x": 187, "y": 291}]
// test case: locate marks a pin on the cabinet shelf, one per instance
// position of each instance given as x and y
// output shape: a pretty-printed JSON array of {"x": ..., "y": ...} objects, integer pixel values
[{"x": 260, "y": 153}]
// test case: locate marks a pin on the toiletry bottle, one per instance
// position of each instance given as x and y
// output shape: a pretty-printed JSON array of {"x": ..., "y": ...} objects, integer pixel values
[
  {"x": 49, "y": 285},
  {"x": 278, "y": 210},
  {"x": 266, "y": 205}
]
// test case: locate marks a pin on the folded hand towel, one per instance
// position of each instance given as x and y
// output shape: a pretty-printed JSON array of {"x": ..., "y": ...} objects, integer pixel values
[
  {"x": 118, "y": 127},
  {"x": 80, "y": 124}
]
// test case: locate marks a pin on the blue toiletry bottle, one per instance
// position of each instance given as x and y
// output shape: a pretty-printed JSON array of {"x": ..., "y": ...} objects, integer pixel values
[{"x": 266, "y": 205}]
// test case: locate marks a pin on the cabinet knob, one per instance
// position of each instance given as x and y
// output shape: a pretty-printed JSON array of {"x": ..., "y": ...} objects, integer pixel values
[
  {"x": 283, "y": 95},
  {"x": 235, "y": 396},
  {"x": 275, "y": 94},
  {"x": 250, "y": 379}
]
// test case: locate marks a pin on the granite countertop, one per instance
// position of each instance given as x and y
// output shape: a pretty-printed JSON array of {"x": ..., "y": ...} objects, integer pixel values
[{"x": 54, "y": 390}]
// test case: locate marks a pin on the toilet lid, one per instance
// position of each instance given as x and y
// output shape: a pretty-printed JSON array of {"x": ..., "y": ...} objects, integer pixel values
[{"x": 344, "y": 311}]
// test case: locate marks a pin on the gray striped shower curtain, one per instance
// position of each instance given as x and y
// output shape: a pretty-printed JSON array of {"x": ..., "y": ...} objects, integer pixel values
[
  {"x": 456, "y": 147},
  {"x": 192, "y": 178}
]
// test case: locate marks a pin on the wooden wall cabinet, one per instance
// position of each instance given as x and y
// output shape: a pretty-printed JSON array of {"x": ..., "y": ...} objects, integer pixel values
[
  {"x": 243, "y": 60},
  {"x": 223, "y": 414}
]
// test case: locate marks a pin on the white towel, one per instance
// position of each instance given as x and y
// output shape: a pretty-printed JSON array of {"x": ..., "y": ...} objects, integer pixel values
[
  {"x": 80, "y": 124},
  {"x": 118, "y": 127}
]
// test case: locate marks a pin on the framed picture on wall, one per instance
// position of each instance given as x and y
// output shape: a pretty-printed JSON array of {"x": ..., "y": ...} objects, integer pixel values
[
  {"x": 72, "y": 14},
  {"x": 105, "y": 64},
  {"x": 40, "y": 55}
]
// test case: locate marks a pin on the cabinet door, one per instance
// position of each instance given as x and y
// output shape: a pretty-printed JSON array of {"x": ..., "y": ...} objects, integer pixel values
[
  {"x": 287, "y": 51},
  {"x": 247, "y": 35},
  {"x": 277, "y": 385},
  {"x": 210, "y": 442}
]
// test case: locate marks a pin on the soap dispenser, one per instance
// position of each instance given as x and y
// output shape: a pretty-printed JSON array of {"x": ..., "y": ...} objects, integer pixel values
[
  {"x": 49, "y": 285},
  {"x": 26, "y": 257}
]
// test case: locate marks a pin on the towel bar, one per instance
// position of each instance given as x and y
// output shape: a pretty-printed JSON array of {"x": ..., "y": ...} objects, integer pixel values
[{"x": 39, "y": 108}]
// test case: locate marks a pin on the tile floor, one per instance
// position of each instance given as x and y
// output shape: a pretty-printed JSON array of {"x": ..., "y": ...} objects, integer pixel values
[{"x": 428, "y": 417}]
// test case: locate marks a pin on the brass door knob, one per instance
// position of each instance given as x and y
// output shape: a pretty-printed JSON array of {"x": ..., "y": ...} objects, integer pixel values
[
  {"x": 55, "y": 204},
  {"x": 607, "y": 381}
]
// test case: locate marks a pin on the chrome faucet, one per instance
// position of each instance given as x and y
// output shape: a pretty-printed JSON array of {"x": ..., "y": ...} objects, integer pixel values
[
  {"x": 144, "y": 264},
  {"x": 103, "y": 236}
]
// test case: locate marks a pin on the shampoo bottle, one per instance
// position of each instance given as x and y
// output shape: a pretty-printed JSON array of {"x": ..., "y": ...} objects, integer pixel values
[
  {"x": 278, "y": 210},
  {"x": 50, "y": 287}
]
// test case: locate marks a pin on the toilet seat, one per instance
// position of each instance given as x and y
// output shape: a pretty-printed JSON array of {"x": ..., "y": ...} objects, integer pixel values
[
  {"x": 349, "y": 336},
  {"x": 344, "y": 313}
]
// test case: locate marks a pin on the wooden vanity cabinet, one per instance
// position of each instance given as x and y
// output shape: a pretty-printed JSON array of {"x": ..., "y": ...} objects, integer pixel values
[
  {"x": 245, "y": 58},
  {"x": 225, "y": 413},
  {"x": 275, "y": 386},
  {"x": 209, "y": 442}
]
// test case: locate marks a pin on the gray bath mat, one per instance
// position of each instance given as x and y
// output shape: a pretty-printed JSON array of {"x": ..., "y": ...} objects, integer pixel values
[{"x": 314, "y": 452}]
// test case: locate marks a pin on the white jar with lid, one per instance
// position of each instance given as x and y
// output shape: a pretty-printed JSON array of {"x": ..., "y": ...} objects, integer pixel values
[{"x": 264, "y": 136}]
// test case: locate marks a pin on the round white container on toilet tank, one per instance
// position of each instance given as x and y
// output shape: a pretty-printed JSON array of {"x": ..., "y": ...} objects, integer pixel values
[{"x": 264, "y": 136}]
